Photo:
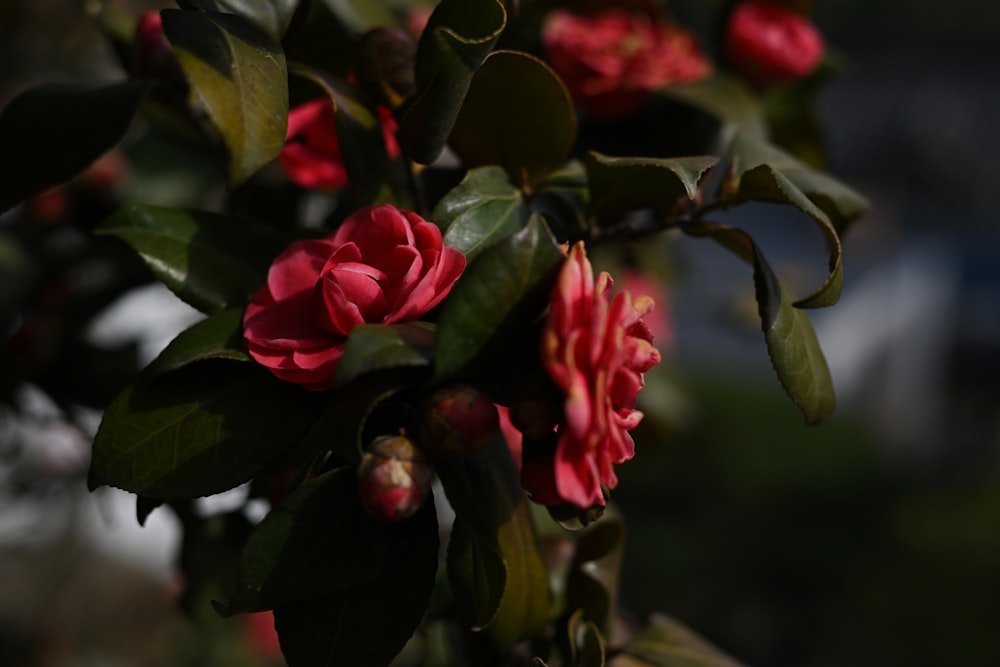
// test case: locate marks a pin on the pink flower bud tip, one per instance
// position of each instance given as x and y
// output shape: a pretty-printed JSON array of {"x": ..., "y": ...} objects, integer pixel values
[{"x": 394, "y": 478}]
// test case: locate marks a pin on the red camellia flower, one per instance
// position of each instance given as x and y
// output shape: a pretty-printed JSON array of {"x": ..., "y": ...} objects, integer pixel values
[
  {"x": 311, "y": 156},
  {"x": 770, "y": 44},
  {"x": 596, "y": 349},
  {"x": 382, "y": 265},
  {"x": 611, "y": 61}
]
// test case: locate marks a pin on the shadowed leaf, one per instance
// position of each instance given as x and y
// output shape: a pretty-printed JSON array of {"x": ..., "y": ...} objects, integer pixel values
[
  {"x": 667, "y": 643},
  {"x": 217, "y": 337},
  {"x": 622, "y": 184},
  {"x": 372, "y": 347}
]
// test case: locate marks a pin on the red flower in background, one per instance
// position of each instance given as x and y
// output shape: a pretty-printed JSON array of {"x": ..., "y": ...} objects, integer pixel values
[
  {"x": 382, "y": 265},
  {"x": 311, "y": 156},
  {"x": 596, "y": 349},
  {"x": 769, "y": 44},
  {"x": 611, "y": 61}
]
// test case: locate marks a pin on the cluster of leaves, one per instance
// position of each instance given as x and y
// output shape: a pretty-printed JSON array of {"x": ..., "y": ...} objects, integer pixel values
[{"x": 202, "y": 418}]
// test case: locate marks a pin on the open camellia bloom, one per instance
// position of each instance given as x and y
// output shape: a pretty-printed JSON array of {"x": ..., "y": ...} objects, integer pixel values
[
  {"x": 612, "y": 60},
  {"x": 596, "y": 349},
  {"x": 381, "y": 266},
  {"x": 769, "y": 44},
  {"x": 311, "y": 156}
]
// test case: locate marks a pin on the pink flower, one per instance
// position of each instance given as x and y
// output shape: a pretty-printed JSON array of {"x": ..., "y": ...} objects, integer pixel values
[
  {"x": 311, "y": 156},
  {"x": 611, "y": 61},
  {"x": 769, "y": 44},
  {"x": 596, "y": 349},
  {"x": 382, "y": 265}
]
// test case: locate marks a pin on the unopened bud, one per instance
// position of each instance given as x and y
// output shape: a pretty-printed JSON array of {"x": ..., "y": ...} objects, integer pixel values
[
  {"x": 459, "y": 420},
  {"x": 151, "y": 52},
  {"x": 394, "y": 478},
  {"x": 387, "y": 65}
]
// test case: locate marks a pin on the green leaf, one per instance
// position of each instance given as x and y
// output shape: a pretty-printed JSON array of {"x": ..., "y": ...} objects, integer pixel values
[
  {"x": 271, "y": 16},
  {"x": 791, "y": 342},
  {"x": 517, "y": 114},
  {"x": 592, "y": 586},
  {"x": 725, "y": 97},
  {"x": 368, "y": 624},
  {"x": 479, "y": 211},
  {"x": 459, "y": 36},
  {"x": 317, "y": 542},
  {"x": 586, "y": 642},
  {"x": 217, "y": 337},
  {"x": 505, "y": 280},
  {"x": 620, "y": 184},
  {"x": 51, "y": 133},
  {"x": 238, "y": 77},
  {"x": 211, "y": 261},
  {"x": 361, "y": 15},
  {"x": 496, "y": 571},
  {"x": 563, "y": 200},
  {"x": 373, "y": 347},
  {"x": 359, "y": 136},
  {"x": 667, "y": 643},
  {"x": 198, "y": 431}
]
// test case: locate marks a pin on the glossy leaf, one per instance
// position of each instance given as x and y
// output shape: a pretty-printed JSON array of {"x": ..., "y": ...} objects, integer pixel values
[
  {"x": 271, "y": 16},
  {"x": 359, "y": 136},
  {"x": 621, "y": 184},
  {"x": 368, "y": 624},
  {"x": 517, "y": 114},
  {"x": 52, "y": 133},
  {"x": 373, "y": 347},
  {"x": 592, "y": 586},
  {"x": 667, "y": 643},
  {"x": 504, "y": 280},
  {"x": 211, "y": 261},
  {"x": 480, "y": 211},
  {"x": 238, "y": 77},
  {"x": 725, "y": 97},
  {"x": 791, "y": 342},
  {"x": 495, "y": 569},
  {"x": 316, "y": 543},
  {"x": 458, "y": 37},
  {"x": 198, "y": 431},
  {"x": 217, "y": 337}
]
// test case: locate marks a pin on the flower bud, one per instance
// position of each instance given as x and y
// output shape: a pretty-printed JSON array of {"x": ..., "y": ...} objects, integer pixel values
[
  {"x": 151, "y": 52},
  {"x": 386, "y": 68},
  {"x": 394, "y": 478},
  {"x": 459, "y": 420},
  {"x": 769, "y": 44}
]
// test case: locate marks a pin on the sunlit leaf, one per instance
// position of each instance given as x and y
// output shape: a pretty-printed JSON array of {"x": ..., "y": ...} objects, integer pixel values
[
  {"x": 367, "y": 625},
  {"x": 479, "y": 211},
  {"x": 316, "y": 543},
  {"x": 198, "y": 431},
  {"x": 517, "y": 114},
  {"x": 211, "y": 261},
  {"x": 791, "y": 342},
  {"x": 217, "y": 337},
  {"x": 459, "y": 36},
  {"x": 51, "y": 133},
  {"x": 239, "y": 78}
]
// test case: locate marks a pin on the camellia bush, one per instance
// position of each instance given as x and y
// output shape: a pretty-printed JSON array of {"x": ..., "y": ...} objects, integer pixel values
[{"x": 405, "y": 349}]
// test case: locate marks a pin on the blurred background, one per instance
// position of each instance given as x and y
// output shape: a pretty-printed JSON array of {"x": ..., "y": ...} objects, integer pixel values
[{"x": 872, "y": 539}]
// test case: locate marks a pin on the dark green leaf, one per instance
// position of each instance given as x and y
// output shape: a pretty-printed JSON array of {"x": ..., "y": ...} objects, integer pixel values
[
  {"x": 238, "y": 76},
  {"x": 373, "y": 347},
  {"x": 726, "y": 98},
  {"x": 479, "y": 211},
  {"x": 368, "y": 624},
  {"x": 517, "y": 114},
  {"x": 592, "y": 586},
  {"x": 51, "y": 133},
  {"x": 271, "y": 16},
  {"x": 491, "y": 293},
  {"x": 361, "y": 15},
  {"x": 622, "y": 184},
  {"x": 198, "y": 431},
  {"x": 563, "y": 200},
  {"x": 458, "y": 37},
  {"x": 217, "y": 337},
  {"x": 667, "y": 643},
  {"x": 317, "y": 542},
  {"x": 477, "y": 573},
  {"x": 791, "y": 342},
  {"x": 586, "y": 642},
  {"x": 211, "y": 261},
  {"x": 359, "y": 136}
]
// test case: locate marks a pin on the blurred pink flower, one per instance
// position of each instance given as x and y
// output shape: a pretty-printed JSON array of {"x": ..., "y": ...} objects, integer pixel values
[
  {"x": 769, "y": 44},
  {"x": 612, "y": 60}
]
